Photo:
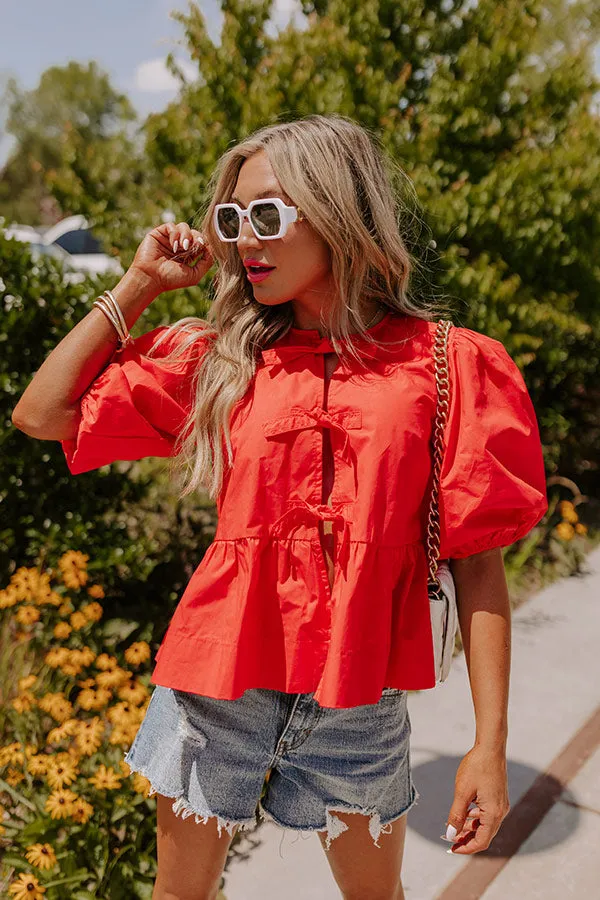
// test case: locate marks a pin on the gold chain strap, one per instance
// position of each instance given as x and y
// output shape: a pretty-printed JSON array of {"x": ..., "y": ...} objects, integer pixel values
[{"x": 442, "y": 406}]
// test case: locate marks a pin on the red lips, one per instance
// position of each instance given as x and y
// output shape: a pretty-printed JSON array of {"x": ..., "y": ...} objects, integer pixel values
[{"x": 256, "y": 263}]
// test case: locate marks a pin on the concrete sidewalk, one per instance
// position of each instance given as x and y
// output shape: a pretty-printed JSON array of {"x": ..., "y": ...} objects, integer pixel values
[{"x": 554, "y": 693}]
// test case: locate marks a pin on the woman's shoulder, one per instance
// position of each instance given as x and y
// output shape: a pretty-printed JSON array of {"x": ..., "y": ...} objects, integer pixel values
[
  {"x": 459, "y": 335},
  {"x": 176, "y": 338}
]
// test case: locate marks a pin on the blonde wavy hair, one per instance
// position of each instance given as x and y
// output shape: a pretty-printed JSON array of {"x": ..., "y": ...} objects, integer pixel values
[{"x": 339, "y": 175}]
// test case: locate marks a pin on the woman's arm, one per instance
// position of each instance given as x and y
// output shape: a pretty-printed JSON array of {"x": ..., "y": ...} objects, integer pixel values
[
  {"x": 481, "y": 778},
  {"x": 485, "y": 623},
  {"x": 49, "y": 406}
]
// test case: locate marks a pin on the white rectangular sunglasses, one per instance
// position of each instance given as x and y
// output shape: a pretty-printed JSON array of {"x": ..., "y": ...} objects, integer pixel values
[{"x": 269, "y": 219}]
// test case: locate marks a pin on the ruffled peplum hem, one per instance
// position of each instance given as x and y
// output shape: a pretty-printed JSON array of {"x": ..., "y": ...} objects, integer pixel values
[{"x": 260, "y": 614}]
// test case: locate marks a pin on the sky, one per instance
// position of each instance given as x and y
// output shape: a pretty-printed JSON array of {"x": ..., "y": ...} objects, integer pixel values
[{"x": 129, "y": 39}]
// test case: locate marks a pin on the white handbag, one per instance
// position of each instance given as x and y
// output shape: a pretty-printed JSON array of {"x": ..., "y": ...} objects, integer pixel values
[{"x": 440, "y": 585}]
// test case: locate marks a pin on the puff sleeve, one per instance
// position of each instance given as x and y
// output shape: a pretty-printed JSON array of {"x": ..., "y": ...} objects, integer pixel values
[
  {"x": 492, "y": 479},
  {"x": 137, "y": 405}
]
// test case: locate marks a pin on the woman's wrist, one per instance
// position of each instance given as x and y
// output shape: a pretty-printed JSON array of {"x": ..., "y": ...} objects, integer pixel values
[{"x": 134, "y": 293}]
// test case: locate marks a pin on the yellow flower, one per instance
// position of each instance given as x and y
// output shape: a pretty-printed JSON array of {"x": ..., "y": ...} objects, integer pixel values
[
  {"x": 14, "y": 777},
  {"x": 39, "y": 582},
  {"x": 73, "y": 558},
  {"x": 85, "y": 654},
  {"x": 96, "y": 592},
  {"x": 73, "y": 565},
  {"x": 26, "y": 887},
  {"x": 41, "y": 855},
  {"x": 64, "y": 731},
  {"x": 123, "y": 734},
  {"x": 81, "y": 810},
  {"x": 62, "y": 630},
  {"x": 78, "y": 620},
  {"x": 61, "y": 772},
  {"x": 141, "y": 784},
  {"x": 87, "y": 683},
  {"x": 121, "y": 712},
  {"x": 92, "y": 611},
  {"x": 89, "y": 736},
  {"x": 567, "y": 511},
  {"x": 38, "y": 764},
  {"x": 59, "y": 803},
  {"x": 94, "y": 699},
  {"x": 23, "y": 702},
  {"x": 69, "y": 668},
  {"x": 74, "y": 579},
  {"x": 137, "y": 653},
  {"x": 564, "y": 531},
  {"x": 114, "y": 678},
  {"x": 8, "y": 597},
  {"x": 134, "y": 692},
  {"x": 105, "y": 779},
  {"x": 27, "y": 615},
  {"x": 106, "y": 662},
  {"x": 580, "y": 528},
  {"x": 11, "y": 753},
  {"x": 43, "y": 597},
  {"x": 125, "y": 767},
  {"x": 26, "y": 682},
  {"x": 56, "y": 656},
  {"x": 57, "y": 706},
  {"x": 87, "y": 744},
  {"x": 66, "y": 607},
  {"x": 76, "y": 659},
  {"x": 54, "y": 599}
]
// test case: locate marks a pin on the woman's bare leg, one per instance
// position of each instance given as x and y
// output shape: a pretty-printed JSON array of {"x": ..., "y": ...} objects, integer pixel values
[
  {"x": 359, "y": 867},
  {"x": 191, "y": 856}
]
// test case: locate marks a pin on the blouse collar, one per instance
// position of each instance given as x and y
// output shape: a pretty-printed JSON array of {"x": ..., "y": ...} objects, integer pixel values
[{"x": 299, "y": 341}]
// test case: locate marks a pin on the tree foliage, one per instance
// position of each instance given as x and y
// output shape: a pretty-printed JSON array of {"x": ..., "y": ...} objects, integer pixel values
[{"x": 486, "y": 110}]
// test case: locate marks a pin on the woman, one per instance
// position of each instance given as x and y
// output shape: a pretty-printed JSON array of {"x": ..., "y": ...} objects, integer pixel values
[{"x": 305, "y": 406}]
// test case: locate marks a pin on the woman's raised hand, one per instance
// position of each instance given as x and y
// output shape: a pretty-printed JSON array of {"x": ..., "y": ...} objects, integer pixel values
[{"x": 173, "y": 256}]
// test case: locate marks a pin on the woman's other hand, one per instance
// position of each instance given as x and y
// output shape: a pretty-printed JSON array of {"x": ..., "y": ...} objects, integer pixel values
[{"x": 173, "y": 256}]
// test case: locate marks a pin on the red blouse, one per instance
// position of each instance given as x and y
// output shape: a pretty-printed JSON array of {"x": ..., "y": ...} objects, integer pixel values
[{"x": 259, "y": 610}]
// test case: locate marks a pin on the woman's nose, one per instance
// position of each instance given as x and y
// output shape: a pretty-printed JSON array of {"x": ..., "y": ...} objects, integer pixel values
[{"x": 247, "y": 236}]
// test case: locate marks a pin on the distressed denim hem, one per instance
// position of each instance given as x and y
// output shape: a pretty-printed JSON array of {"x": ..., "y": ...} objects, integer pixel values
[
  {"x": 334, "y": 826},
  {"x": 182, "y": 808}
]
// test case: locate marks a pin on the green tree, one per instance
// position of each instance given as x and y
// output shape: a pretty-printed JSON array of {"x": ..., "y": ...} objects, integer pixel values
[
  {"x": 488, "y": 113},
  {"x": 491, "y": 118},
  {"x": 76, "y": 138}
]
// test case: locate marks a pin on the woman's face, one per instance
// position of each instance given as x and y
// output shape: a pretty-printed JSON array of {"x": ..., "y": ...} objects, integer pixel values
[{"x": 302, "y": 273}]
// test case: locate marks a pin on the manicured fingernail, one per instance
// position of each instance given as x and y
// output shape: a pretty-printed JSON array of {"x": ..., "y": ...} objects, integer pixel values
[
  {"x": 186, "y": 244},
  {"x": 175, "y": 246},
  {"x": 451, "y": 833},
  {"x": 449, "y": 851}
]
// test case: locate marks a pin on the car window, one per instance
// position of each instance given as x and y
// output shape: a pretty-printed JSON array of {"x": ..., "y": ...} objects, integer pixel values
[{"x": 79, "y": 241}]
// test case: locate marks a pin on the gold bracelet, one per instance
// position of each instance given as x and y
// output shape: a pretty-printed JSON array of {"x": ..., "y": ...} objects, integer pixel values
[{"x": 114, "y": 314}]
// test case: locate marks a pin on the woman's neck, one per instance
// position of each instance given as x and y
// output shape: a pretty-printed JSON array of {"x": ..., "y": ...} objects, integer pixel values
[{"x": 305, "y": 320}]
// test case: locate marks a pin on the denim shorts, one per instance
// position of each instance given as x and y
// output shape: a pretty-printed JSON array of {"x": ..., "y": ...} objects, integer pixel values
[{"x": 277, "y": 755}]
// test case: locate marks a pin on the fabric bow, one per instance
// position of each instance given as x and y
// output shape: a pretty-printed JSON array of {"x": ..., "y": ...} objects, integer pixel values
[{"x": 299, "y": 511}]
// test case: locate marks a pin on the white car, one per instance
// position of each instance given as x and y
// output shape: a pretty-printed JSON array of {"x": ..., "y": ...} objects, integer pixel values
[
  {"x": 70, "y": 241},
  {"x": 73, "y": 235}
]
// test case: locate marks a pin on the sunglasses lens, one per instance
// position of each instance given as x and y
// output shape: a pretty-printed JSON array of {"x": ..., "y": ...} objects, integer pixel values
[
  {"x": 229, "y": 222},
  {"x": 265, "y": 218}
]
